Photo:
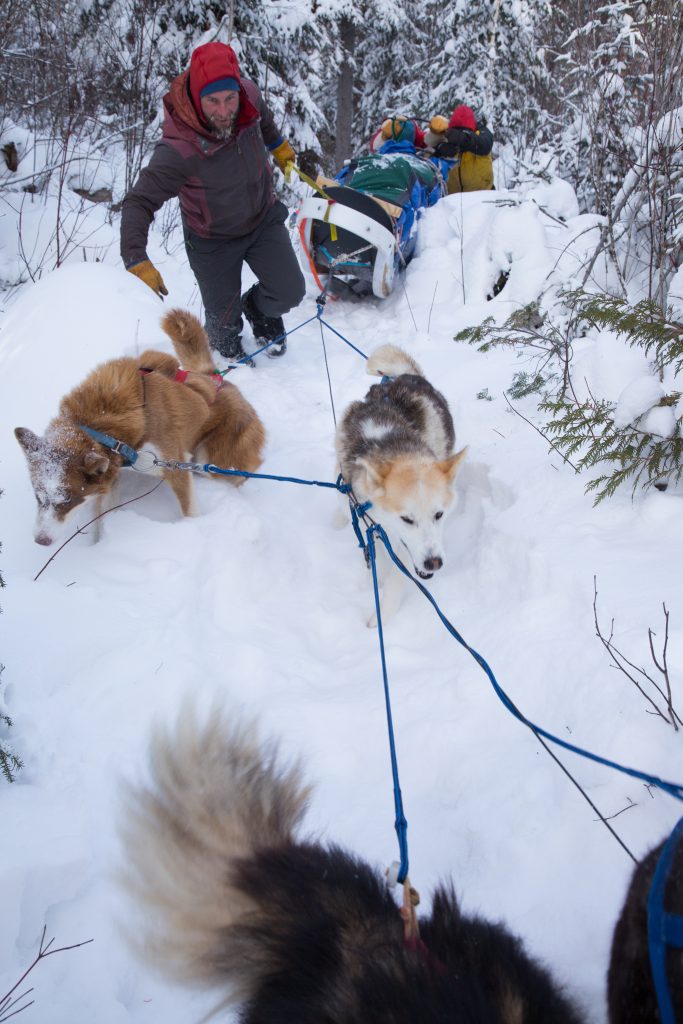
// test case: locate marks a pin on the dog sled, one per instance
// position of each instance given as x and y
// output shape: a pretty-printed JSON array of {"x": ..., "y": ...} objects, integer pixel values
[{"x": 362, "y": 228}]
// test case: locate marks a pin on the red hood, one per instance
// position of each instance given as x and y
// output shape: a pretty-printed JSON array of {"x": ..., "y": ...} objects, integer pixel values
[
  {"x": 208, "y": 64},
  {"x": 463, "y": 117},
  {"x": 181, "y": 117}
]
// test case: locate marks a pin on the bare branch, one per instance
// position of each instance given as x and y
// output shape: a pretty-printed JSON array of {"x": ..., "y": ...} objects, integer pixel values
[
  {"x": 7, "y": 1002},
  {"x": 82, "y": 529},
  {"x": 622, "y": 663}
]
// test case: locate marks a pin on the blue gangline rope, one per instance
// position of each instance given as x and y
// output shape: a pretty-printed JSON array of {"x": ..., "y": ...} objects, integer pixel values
[
  {"x": 345, "y": 340},
  {"x": 357, "y": 511},
  {"x": 286, "y": 334},
  {"x": 663, "y": 928},
  {"x": 672, "y": 788},
  {"x": 400, "y": 824},
  {"x": 275, "y": 341},
  {"x": 208, "y": 467}
]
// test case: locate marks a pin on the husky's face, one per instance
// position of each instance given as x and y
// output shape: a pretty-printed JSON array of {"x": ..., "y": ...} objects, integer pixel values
[
  {"x": 412, "y": 498},
  {"x": 65, "y": 473}
]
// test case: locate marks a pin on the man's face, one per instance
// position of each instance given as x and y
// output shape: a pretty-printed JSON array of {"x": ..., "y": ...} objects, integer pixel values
[{"x": 220, "y": 110}]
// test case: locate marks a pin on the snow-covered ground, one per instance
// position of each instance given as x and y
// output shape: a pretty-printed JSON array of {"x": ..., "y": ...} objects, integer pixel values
[{"x": 260, "y": 603}]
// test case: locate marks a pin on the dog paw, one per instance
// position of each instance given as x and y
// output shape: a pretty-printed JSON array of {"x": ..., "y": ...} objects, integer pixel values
[{"x": 372, "y": 621}]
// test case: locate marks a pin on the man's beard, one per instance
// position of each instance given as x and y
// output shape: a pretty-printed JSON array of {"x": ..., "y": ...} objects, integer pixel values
[{"x": 223, "y": 131}]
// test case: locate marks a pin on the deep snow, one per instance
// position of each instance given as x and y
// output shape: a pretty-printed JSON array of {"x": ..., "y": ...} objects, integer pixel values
[{"x": 261, "y": 603}]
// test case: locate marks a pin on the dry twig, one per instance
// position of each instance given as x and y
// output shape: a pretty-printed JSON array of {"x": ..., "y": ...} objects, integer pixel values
[
  {"x": 9, "y": 1003},
  {"x": 82, "y": 529},
  {"x": 632, "y": 672}
]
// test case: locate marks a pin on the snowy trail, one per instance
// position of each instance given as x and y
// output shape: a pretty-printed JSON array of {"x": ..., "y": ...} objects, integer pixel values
[{"x": 260, "y": 603}]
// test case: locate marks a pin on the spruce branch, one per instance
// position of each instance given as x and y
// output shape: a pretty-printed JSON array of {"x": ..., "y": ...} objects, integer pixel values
[
  {"x": 539, "y": 431},
  {"x": 645, "y": 324},
  {"x": 584, "y": 429}
]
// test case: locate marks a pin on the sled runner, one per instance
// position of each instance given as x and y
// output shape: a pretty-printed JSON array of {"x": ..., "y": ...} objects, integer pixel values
[{"x": 364, "y": 228}]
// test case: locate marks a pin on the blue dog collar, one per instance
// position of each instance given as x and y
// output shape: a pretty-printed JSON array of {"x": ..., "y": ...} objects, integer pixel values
[{"x": 118, "y": 447}]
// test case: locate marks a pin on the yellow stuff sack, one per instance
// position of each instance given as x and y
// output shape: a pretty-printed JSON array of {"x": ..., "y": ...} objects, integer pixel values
[{"x": 471, "y": 174}]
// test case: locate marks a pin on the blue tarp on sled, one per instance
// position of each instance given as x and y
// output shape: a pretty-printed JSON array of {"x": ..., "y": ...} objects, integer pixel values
[{"x": 364, "y": 228}]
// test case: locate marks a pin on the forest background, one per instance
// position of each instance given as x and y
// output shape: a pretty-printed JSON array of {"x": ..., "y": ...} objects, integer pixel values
[{"x": 583, "y": 90}]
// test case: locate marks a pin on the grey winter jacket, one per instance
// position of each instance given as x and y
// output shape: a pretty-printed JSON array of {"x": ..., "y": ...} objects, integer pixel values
[{"x": 225, "y": 187}]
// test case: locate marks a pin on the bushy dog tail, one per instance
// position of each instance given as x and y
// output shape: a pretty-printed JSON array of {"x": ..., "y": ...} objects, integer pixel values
[
  {"x": 216, "y": 795},
  {"x": 391, "y": 361},
  {"x": 189, "y": 340}
]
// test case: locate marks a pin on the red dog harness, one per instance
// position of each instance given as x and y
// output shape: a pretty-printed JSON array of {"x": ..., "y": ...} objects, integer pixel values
[{"x": 182, "y": 375}]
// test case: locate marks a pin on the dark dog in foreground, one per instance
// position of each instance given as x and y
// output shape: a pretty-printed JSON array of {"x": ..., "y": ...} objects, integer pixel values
[
  {"x": 296, "y": 931},
  {"x": 631, "y": 994}
]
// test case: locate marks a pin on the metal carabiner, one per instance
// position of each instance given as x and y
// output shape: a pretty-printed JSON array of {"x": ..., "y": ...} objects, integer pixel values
[{"x": 146, "y": 462}]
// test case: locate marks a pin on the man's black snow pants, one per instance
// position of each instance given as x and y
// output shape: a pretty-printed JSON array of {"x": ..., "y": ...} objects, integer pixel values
[{"x": 217, "y": 266}]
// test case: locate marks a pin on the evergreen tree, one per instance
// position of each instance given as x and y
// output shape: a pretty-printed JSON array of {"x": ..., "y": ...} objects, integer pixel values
[
  {"x": 393, "y": 57},
  {"x": 486, "y": 54},
  {"x": 620, "y": 70},
  {"x": 143, "y": 44}
]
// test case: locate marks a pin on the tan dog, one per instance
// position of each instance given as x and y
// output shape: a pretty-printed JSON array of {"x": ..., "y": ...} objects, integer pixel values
[
  {"x": 142, "y": 402},
  {"x": 395, "y": 448}
]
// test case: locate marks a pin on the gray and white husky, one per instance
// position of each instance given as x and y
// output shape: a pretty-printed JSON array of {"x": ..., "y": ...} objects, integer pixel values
[{"x": 395, "y": 449}]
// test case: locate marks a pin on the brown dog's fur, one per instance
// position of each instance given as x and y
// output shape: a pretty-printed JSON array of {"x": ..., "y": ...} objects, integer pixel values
[{"x": 195, "y": 420}]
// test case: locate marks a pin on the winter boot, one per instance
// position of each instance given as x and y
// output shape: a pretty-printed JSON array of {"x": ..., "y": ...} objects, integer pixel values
[
  {"x": 265, "y": 328},
  {"x": 229, "y": 345}
]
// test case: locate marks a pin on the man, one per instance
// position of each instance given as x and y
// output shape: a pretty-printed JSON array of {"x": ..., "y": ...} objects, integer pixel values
[
  {"x": 471, "y": 144},
  {"x": 213, "y": 155}
]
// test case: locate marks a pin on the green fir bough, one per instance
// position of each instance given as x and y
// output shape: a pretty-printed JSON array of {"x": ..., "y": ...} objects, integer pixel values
[{"x": 584, "y": 430}]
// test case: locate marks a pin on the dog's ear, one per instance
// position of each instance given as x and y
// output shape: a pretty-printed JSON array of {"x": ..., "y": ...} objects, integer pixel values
[
  {"x": 94, "y": 464},
  {"x": 372, "y": 477},
  {"x": 449, "y": 467},
  {"x": 30, "y": 442}
]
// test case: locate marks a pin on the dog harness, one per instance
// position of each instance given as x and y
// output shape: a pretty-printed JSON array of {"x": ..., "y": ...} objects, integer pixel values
[
  {"x": 182, "y": 375},
  {"x": 663, "y": 928},
  {"x": 128, "y": 453}
]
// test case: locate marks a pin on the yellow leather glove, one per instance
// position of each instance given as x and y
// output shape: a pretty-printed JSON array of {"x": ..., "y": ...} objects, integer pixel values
[
  {"x": 283, "y": 155},
  {"x": 148, "y": 273},
  {"x": 438, "y": 124}
]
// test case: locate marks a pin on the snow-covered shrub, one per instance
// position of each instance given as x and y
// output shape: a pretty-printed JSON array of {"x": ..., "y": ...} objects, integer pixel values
[{"x": 637, "y": 435}]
